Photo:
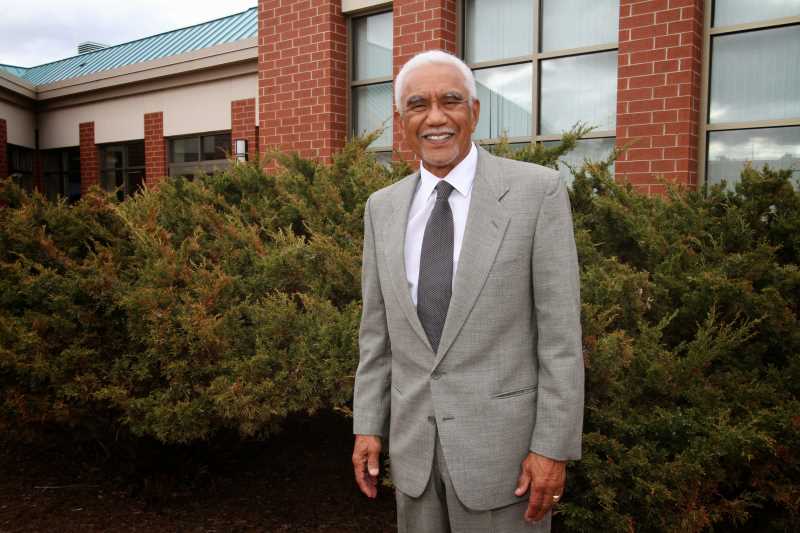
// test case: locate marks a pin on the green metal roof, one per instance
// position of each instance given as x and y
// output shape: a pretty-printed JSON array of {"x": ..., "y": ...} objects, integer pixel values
[
  {"x": 220, "y": 31},
  {"x": 16, "y": 71}
]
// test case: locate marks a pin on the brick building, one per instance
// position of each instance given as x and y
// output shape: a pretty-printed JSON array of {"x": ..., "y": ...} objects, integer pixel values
[{"x": 692, "y": 88}]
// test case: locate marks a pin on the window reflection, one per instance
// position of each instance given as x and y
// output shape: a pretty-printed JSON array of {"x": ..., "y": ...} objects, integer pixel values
[
  {"x": 498, "y": 29},
  {"x": 576, "y": 23},
  {"x": 728, "y": 151},
  {"x": 756, "y": 75},
  {"x": 372, "y": 46},
  {"x": 578, "y": 89},
  {"x": 373, "y": 110},
  {"x": 729, "y": 12},
  {"x": 585, "y": 149},
  {"x": 505, "y": 95}
]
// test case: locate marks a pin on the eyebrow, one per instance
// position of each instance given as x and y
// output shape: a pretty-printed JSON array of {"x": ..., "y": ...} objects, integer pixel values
[
  {"x": 412, "y": 100},
  {"x": 449, "y": 95}
]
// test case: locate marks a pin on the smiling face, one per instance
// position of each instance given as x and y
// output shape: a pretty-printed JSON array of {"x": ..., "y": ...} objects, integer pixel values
[{"x": 438, "y": 116}]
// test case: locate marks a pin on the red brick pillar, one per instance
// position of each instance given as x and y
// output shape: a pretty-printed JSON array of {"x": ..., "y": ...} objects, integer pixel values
[
  {"x": 419, "y": 26},
  {"x": 658, "y": 94},
  {"x": 155, "y": 152},
  {"x": 243, "y": 125},
  {"x": 3, "y": 149},
  {"x": 302, "y": 79},
  {"x": 90, "y": 169}
]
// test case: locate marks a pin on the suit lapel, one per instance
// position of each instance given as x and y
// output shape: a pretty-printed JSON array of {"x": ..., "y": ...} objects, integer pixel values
[
  {"x": 486, "y": 225},
  {"x": 395, "y": 238}
]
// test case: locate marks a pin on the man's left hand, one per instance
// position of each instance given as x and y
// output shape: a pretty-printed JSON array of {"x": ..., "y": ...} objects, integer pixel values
[{"x": 545, "y": 478}]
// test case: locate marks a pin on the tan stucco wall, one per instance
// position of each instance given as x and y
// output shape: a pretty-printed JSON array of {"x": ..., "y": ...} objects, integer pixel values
[
  {"x": 191, "y": 109},
  {"x": 20, "y": 124}
]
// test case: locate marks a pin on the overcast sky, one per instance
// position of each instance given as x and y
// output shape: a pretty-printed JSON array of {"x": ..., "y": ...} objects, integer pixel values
[{"x": 33, "y": 32}]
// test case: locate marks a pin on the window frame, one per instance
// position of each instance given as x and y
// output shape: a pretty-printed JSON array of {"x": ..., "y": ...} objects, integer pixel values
[
  {"x": 125, "y": 191},
  {"x": 207, "y": 166},
  {"x": 353, "y": 83},
  {"x": 60, "y": 178},
  {"x": 705, "y": 126},
  {"x": 23, "y": 177},
  {"x": 535, "y": 59}
]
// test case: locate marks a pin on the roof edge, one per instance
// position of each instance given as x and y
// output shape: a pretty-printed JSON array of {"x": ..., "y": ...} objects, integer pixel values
[
  {"x": 188, "y": 62},
  {"x": 109, "y": 47},
  {"x": 17, "y": 85}
]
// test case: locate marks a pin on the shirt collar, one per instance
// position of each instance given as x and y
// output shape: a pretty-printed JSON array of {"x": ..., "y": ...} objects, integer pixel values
[{"x": 461, "y": 177}]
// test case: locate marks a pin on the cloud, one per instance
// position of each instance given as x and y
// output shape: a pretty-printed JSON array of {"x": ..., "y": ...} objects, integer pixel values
[{"x": 48, "y": 30}]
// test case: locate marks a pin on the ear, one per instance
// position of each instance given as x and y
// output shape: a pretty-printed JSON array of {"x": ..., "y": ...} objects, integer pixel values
[{"x": 476, "y": 112}]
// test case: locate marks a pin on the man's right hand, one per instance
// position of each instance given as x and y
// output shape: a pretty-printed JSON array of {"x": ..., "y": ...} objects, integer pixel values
[{"x": 366, "y": 463}]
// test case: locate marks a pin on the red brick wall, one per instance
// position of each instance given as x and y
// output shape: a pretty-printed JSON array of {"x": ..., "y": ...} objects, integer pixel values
[
  {"x": 90, "y": 170},
  {"x": 418, "y": 26},
  {"x": 302, "y": 80},
  {"x": 243, "y": 125},
  {"x": 658, "y": 94},
  {"x": 3, "y": 149},
  {"x": 155, "y": 148}
]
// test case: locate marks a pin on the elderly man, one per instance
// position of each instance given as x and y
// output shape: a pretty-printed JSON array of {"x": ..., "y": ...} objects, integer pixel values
[{"x": 470, "y": 344}]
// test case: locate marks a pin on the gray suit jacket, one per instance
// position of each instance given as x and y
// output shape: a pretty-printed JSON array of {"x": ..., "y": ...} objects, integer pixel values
[{"x": 508, "y": 375}]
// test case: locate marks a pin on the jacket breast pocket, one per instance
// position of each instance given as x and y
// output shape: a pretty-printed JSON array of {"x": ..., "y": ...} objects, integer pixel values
[{"x": 515, "y": 392}]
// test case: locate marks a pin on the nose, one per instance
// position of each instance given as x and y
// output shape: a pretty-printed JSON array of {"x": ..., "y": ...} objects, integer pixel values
[{"x": 435, "y": 115}]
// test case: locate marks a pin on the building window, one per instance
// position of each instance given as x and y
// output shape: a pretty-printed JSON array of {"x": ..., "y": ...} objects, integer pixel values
[
  {"x": 371, "y": 81},
  {"x": 541, "y": 67},
  {"x": 206, "y": 153},
  {"x": 751, "y": 110},
  {"x": 62, "y": 174},
  {"x": 20, "y": 166},
  {"x": 122, "y": 168}
]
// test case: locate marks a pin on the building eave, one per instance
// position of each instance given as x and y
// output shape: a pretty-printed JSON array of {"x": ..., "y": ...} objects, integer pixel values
[
  {"x": 206, "y": 58},
  {"x": 17, "y": 85}
]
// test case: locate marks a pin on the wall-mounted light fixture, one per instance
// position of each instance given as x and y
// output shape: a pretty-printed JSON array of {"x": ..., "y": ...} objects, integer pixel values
[{"x": 241, "y": 149}]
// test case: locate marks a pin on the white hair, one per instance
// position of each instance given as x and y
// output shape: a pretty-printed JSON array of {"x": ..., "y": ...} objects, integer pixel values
[{"x": 429, "y": 58}]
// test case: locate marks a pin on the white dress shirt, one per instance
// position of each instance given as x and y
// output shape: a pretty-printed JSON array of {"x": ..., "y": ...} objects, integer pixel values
[{"x": 461, "y": 178}]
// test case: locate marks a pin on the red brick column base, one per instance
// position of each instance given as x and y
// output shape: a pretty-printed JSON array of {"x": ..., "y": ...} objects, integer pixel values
[
  {"x": 243, "y": 125},
  {"x": 3, "y": 149},
  {"x": 302, "y": 78},
  {"x": 419, "y": 26},
  {"x": 155, "y": 152},
  {"x": 90, "y": 169},
  {"x": 658, "y": 96}
]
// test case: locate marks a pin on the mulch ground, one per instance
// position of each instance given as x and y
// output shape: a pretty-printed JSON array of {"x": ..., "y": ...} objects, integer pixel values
[{"x": 299, "y": 480}]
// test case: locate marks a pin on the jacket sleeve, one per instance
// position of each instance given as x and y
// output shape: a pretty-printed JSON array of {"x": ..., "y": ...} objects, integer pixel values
[
  {"x": 371, "y": 396},
  {"x": 556, "y": 293}
]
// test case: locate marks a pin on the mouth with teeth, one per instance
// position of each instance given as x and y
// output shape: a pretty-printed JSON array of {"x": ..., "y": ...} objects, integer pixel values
[{"x": 439, "y": 136}]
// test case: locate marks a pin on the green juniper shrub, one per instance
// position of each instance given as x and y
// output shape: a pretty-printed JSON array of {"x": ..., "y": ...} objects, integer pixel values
[{"x": 231, "y": 302}]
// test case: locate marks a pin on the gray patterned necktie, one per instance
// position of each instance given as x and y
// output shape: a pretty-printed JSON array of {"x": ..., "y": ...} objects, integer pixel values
[{"x": 436, "y": 267}]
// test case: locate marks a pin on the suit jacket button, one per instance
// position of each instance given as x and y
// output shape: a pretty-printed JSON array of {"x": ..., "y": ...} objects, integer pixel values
[
  {"x": 432, "y": 419},
  {"x": 436, "y": 375}
]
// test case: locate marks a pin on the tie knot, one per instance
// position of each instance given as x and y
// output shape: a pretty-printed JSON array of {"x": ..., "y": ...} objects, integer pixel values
[{"x": 443, "y": 190}]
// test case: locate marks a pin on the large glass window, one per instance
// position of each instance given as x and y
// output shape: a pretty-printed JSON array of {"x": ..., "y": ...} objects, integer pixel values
[
  {"x": 729, "y": 151},
  {"x": 498, "y": 30},
  {"x": 753, "y": 104},
  {"x": 541, "y": 66},
  {"x": 62, "y": 173},
  {"x": 755, "y": 75},
  {"x": 577, "y": 23},
  {"x": 122, "y": 168},
  {"x": 371, "y": 85},
  {"x": 585, "y": 150},
  {"x": 206, "y": 153},
  {"x": 731, "y": 12},
  {"x": 20, "y": 166}
]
